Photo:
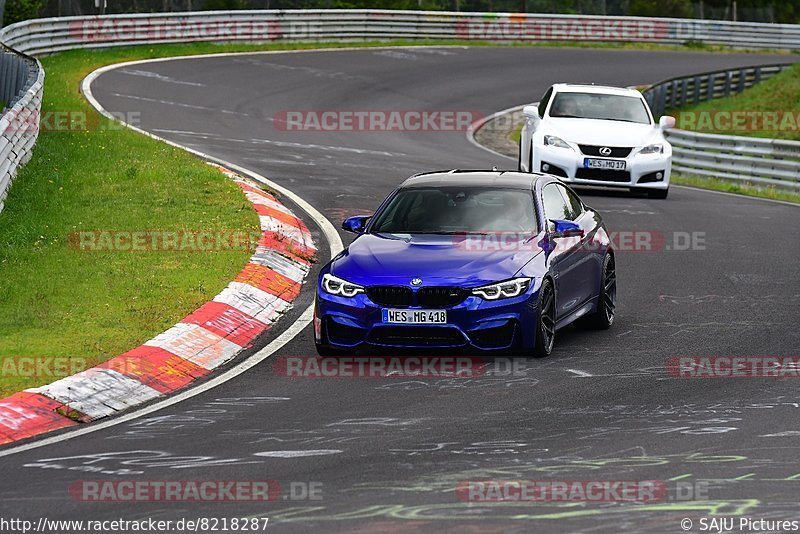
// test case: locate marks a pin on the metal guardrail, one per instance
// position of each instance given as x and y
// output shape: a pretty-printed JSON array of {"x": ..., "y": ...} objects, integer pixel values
[
  {"x": 21, "y": 83},
  {"x": 40, "y": 36},
  {"x": 688, "y": 90},
  {"x": 45, "y": 36},
  {"x": 766, "y": 161}
]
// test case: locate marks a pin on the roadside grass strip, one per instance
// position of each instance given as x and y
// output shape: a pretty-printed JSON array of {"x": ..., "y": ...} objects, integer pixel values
[{"x": 204, "y": 340}]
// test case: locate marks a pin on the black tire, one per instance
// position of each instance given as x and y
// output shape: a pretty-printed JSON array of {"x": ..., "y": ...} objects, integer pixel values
[
  {"x": 603, "y": 317},
  {"x": 658, "y": 193},
  {"x": 546, "y": 325}
]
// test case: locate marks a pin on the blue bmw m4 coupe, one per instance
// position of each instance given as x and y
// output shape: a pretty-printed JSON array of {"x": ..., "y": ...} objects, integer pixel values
[{"x": 482, "y": 261}]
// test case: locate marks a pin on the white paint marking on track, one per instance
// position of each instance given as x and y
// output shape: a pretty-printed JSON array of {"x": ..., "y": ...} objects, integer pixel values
[
  {"x": 331, "y": 235},
  {"x": 582, "y": 374},
  {"x": 159, "y": 77},
  {"x": 178, "y": 104},
  {"x": 297, "y": 454}
]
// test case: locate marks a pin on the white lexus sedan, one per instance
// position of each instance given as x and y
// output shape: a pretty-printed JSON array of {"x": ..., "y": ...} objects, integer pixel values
[{"x": 594, "y": 135}]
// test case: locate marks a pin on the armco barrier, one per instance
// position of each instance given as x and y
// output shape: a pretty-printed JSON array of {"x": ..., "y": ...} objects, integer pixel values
[
  {"x": 688, "y": 90},
  {"x": 40, "y": 36},
  {"x": 44, "y": 36},
  {"x": 765, "y": 161},
  {"x": 21, "y": 82}
]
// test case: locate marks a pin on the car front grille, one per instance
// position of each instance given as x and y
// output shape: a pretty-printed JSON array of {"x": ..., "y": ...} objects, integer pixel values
[
  {"x": 417, "y": 336},
  {"x": 604, "y": 175},
  {"x": 426, "y": 297},
  {"x": 616, "y": 151},
  {"x": 390, "y": 295},
  {"x": 441, "y": 297}
]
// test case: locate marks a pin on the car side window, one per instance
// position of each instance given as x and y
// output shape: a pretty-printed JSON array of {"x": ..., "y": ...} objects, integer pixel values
[
  {"x": 543, "y": 102},
  {"x": 555, "y": 207},
  {"x": 573, "y": 202}
]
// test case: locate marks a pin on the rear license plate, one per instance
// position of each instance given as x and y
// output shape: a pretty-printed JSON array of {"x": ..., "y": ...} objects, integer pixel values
[
  {"x": 611, "y": 164},
  {"x": 414, "y": 316}
]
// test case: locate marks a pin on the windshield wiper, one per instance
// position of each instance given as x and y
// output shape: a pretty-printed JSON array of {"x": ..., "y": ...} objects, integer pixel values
[
  {"x": 448, "y": 232},
  {"x": 619, "y": 120}
]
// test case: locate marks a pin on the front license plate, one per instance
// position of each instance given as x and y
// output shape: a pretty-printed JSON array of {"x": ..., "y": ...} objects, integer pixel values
[
  {"x": 414, "y": 316},
  {"x": 612, "y": 164}
]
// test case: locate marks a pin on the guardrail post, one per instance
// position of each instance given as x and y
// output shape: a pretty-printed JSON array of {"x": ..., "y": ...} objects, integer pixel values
[
  {"x": 726, "y": 90},
  {"x": 684, "y": 91},
  {"x": 7, "y": 95},
  {"x": 712, "y": 82},
  {"x": 673, "y": 96},
  {"x": 4, "y": 61},
  {"x": 742, "y": 79}
]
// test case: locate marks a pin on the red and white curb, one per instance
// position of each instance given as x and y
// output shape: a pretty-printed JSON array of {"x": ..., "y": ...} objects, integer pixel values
[{"x": 202, "y": 341}]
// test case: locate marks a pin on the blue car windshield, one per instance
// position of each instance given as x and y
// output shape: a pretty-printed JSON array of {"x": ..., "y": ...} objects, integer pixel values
[{"x": 454, "y": 210}]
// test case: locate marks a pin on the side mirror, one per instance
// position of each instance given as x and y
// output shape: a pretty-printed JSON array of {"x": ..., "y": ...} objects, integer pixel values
[
  {"x": 666, "y": 122},
  {"x": 531, "y": 112},
  {"x": 356, "y": 224},
  {"x": 565, "y": 229}
]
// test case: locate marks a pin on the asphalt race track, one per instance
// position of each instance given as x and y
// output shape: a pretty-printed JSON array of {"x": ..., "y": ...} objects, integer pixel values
[{"x": 386, "y": 454}]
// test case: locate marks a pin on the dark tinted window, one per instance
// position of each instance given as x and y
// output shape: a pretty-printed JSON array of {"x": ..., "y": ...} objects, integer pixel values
[
  {"x": 573, "y": 203},
  {"x": 451, "y": 210},
  {"x": 543, "y": 102},
  {"x": 600, "y": 106},
  {"x": 555, "y": 207}
]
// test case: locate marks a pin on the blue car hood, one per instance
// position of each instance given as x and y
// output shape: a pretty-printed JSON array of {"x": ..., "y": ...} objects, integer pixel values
[{"x": 436, "y": 259}]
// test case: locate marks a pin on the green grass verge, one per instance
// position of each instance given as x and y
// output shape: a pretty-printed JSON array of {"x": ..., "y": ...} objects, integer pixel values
[
  {"x": 739, "y": 188},
  {"x": 516, "y": 135},
  {"x": 780, "y": 94},
  {"x": 60, "y": 303}
]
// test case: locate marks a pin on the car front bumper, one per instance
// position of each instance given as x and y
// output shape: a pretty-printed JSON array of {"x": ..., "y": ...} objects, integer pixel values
[
  {"x": 355, "y": 324},
  {"x": 651, "y": 171}
]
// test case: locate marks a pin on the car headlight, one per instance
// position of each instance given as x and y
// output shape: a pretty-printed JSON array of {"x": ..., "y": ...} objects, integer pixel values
[
  {"x": 552, "y": 140},
  {"x": 503, "y": 290},
  {"x": 336, "y": 286},
  {"x": 657, "y": 148}
]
